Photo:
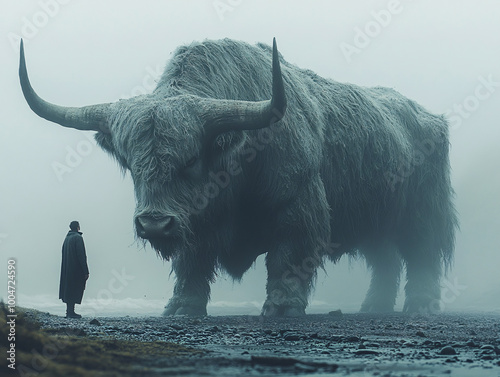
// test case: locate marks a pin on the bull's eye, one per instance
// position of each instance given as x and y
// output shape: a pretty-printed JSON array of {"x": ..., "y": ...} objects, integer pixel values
[{"x": 191, "y": 162}]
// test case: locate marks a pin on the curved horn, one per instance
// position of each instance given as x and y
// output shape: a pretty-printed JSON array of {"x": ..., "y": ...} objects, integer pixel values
[
  {"x": 88, "y": 118},
  {"x": 246, "y": 115}
]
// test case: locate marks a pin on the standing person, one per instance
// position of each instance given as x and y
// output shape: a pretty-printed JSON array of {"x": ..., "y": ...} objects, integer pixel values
[{"x": 74, "y": 270}]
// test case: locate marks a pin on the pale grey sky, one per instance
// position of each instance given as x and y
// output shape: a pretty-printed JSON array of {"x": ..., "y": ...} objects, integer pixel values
[{"x": 443, "y": 54}]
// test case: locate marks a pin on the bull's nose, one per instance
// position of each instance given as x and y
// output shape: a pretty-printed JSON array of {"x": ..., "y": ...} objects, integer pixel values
[{"x": 152, "y": 227}]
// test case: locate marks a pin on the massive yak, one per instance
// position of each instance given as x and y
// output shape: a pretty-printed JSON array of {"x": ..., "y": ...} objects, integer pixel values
[{"x": 237, "y": 153}]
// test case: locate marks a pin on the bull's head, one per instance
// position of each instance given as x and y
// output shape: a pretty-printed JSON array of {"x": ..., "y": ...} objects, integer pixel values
[{"x": 167, "y": 144}]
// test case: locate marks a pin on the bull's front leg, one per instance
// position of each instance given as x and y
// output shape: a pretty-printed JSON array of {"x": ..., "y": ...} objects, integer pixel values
[
  {"x": 288, "y": 283},
  {"x": 300, "y": 236},
  {"x": 192, "y": 285}
]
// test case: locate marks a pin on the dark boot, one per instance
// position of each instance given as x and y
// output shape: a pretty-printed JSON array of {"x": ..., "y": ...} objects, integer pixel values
[{"x": 70, "y": 311}]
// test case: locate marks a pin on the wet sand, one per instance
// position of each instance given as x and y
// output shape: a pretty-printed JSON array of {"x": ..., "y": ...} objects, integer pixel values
[{"x": 333, "y": 344}]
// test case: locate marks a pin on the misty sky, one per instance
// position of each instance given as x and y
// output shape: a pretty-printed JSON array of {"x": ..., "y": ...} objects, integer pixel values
[{"x": 445, "y": 55}]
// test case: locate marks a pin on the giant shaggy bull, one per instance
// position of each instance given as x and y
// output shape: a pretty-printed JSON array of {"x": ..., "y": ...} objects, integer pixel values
[{"x": 237, "y": 153}]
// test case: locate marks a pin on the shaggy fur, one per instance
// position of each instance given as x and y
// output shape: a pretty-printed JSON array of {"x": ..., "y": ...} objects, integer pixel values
[{"x": 348, "y": 169}]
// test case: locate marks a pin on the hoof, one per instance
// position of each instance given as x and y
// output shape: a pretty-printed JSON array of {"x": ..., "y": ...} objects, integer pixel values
[
  {"x": 376, "y": 308},
  {"x": 195, "y": 311},
  {"x": 294, "y": 312},
  {"x": 273, "y": 310},
  {"x": 422, "y": 305},
  {"x": 190, "y": 306}
]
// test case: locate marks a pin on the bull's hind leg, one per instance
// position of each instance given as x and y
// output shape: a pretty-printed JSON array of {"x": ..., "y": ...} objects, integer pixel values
[
  {"x": 298, "y": 240},
  {"x": 385, "y": 264},
  {"x": 427, "y": 235},
  {"x": 423, "y": 273},
  {"x": 192, "y": 286}
]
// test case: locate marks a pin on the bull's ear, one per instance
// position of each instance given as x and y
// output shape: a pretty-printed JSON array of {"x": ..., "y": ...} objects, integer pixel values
[
  {"x": 105, "y": 142},
  {"x": 227, "y": 115},
  {"x": 221, "y": 146},
  {"x": 226, "y": 142}
]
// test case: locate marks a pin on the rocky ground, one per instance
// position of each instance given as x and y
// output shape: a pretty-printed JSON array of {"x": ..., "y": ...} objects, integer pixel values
[{"x": 333, "y": 344}]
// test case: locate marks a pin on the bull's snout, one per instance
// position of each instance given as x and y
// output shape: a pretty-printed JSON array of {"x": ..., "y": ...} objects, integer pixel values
[{"x": 151, "y": 227}]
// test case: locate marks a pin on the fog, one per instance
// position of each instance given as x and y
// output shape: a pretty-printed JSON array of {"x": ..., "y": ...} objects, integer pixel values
[{"x": 445, "y": 55}]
